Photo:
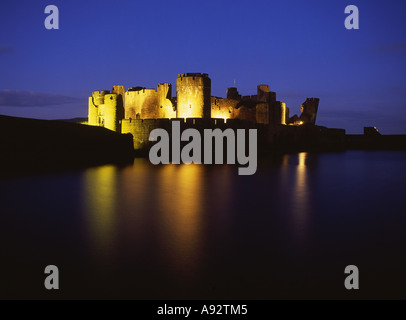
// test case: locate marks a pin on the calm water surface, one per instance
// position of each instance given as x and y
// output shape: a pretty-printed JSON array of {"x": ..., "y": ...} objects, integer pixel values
[{"x": 162, "y": 232}]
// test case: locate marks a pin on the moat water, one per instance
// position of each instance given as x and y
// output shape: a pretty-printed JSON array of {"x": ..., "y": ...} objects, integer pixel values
[{"x": 204, "y": 232}]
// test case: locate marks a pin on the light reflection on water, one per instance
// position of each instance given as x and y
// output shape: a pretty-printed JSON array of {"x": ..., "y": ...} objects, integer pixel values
[
  {"x": 180, "y": 197},
  {"x": 301, "y": 197},
  {"x": 100, "y": 194},
  {"x": 173, "y": 203},
  {"x": 195, "y": 231}
]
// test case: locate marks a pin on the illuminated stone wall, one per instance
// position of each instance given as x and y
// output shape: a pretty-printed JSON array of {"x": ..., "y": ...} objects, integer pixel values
[
  {"x": 96, "y": 108},
  {"x": 120, "y": 91},
  {"x": 193, "y": 92},
  {"x": 141, "y": 128},
  {"x": 131, "y": 107},
  {"x": 223, "y": 108},
  {"x": 111, "y": 112},
  {"x": 165, "y": 106},
  {"x": 105, "y": 110},
  {"x": 279, "y": 113},
  {"x": 193, "y": 101},
  {"x": 92, "y": 113},
  {"x": 142, "y": 103}
]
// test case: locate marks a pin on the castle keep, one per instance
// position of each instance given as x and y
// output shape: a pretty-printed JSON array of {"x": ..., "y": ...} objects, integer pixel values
[{"x": 140, "y": 110}]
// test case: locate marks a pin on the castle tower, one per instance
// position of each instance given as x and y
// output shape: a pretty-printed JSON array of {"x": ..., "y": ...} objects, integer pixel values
[
  {"x": 96, "y": 105},
  {"x": 111, "y": 113},
  {"x": 263, "y": 93},
  {"x": 120, "y": 91},
  {"x": 232, "y": 93},
  {"x": 193, "y": 92}
]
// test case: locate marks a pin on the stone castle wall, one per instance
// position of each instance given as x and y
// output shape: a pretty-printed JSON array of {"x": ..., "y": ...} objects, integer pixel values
[
  {"x": 193, "y": 92},
  {"x": 118, "y": 110}
]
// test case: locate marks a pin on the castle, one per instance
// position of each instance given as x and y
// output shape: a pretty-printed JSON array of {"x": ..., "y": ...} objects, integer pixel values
[{"x": 139, "y": 110}]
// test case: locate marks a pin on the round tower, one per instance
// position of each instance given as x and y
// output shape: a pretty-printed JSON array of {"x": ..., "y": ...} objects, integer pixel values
[
  {"x": 111, "y": 113},
  {"x": 193, "y": 91},
  {"x": 96, "y": 103}
]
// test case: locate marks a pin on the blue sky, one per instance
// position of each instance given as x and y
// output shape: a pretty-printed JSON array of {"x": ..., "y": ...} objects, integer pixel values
[{"x": 300, "y": 48}]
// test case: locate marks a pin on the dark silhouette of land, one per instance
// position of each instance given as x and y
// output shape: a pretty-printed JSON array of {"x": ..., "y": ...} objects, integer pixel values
[
  {"x": 47, "y": 145},
  {"x": 44, "y": 145}
]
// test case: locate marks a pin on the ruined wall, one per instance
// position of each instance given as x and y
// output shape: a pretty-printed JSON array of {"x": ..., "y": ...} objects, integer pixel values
[
  {"x": 262, "y": 113},
  {"x": 142, "y": 103},
  {"x": 245, "y": 113},
  {"x": 279, "y": 113},
  {"x": 193, "y": 92},
  {"x": 165, "y": 104},
  {"x": 120, "y": 92},
  {"x": 193, "y": 101},
  {"x": 223, "y": 108},
  {"x": 263, "y": 92},
  {"x": 309, "y": 110}
]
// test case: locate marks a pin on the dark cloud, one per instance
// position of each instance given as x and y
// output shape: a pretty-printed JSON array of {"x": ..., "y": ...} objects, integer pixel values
[
  {"x": 5, "y": 49},
  {"x": 395, "y": 47},
  {"x": 16, "y": 98}
]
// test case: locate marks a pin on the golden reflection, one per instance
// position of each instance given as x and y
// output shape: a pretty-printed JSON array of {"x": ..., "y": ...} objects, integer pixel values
[
  {"x": 181, "y": 206},
  {"x": 301, "y": 196},
  {"x": 100, "y": 204}
]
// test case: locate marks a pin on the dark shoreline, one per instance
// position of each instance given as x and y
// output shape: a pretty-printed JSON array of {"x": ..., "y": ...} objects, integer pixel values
[{"x": 39, "y": 146}]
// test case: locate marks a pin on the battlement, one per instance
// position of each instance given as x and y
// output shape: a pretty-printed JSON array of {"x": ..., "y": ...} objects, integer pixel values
[
  {"x": 190, "y": 75},
  {"x": 100, "y": 93},
  {"x": 98, "y": 96},
  {"x": 135, "y": 89},
  {"x": 110, "y": 96},
  {"x": 263, "y": 87}
]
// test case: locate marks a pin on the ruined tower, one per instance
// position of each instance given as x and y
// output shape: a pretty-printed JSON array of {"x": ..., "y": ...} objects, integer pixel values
[
  {"x": 309, "y": 110},
  {"x": 96, "y": 108},
  {"x": 105, "y": 110},
  {"x": 193, "y": 92}
]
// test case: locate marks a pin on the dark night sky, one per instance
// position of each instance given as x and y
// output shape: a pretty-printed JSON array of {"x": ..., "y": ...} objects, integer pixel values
[{"x": 300, "y": 48}]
